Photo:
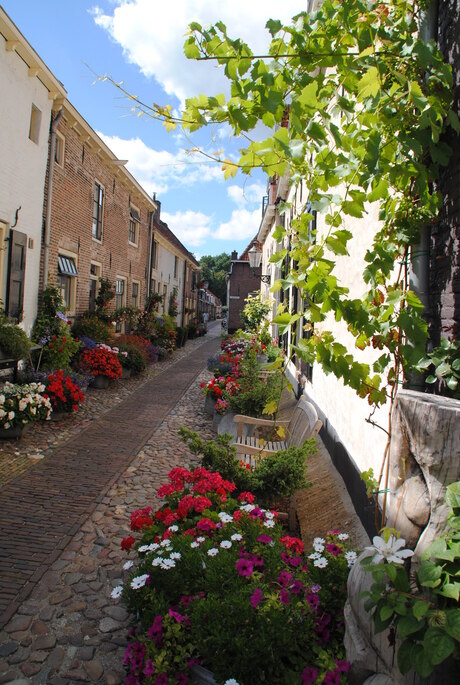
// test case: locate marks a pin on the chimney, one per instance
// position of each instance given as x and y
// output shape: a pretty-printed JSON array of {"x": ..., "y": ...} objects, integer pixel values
[{"x": 234, "y": 256}]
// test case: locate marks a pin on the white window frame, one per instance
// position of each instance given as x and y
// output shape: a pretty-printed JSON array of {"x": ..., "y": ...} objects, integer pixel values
[
  {"x": 95, "y": 277},
  {"x": 136, "y": 226},
  {"x": 94, "y": 237},
  {"x": 35, "y": 123},
  {"x": 133, "y": 283},
  {"x": 59, "y": 150}
]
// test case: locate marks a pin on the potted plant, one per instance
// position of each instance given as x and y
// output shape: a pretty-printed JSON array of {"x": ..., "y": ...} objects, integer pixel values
[
  {"x": 14, "y": 343},
  {"x": 20, "y": 405},
  {"x": 103, "y": 363},
  {"x": 214, "y": 581},
  {"x": 65, "y": 395}
]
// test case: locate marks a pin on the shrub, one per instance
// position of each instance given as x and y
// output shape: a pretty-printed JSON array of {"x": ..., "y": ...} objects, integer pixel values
[
  {"x": 14, "y": 341},
  {"x": 135, "y": 359},
  {"x": 91, "y": 326}
]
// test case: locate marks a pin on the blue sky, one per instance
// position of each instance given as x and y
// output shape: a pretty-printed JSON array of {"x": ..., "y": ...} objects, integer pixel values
[{"x": 140, "y": 43}]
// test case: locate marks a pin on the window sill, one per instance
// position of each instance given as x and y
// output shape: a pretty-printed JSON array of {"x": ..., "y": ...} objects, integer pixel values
[
  {"x": 133, "y": 244},
  {"x": 96, "y": 240}
]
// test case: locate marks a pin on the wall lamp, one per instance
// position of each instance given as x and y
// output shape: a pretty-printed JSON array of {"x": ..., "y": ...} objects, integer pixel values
[{"x": 255, "y": 259}]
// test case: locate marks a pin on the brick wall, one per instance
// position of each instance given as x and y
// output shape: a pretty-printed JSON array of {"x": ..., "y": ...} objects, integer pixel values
[
  {"x": 72, "y": 212},
  {"x": 445, "y": 245},
  {"x": 242, "y": 283}
]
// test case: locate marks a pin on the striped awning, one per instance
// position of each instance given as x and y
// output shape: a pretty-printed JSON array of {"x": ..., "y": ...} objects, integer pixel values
[{"x": 66, "y": 266}]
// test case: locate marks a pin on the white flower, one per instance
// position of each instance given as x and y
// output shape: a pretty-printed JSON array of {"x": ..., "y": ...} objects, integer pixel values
[
  {"x": 139, "y": 581},
  {"x": 33, "y": 410},
  {"x": 11, "y": 415},
  {"x": 128, "y": 565},
  {"x": 389, "y": 551},
  {"x": 22, "y": 404},
  {"x": 231, "y": 681},
  {"x": 175, "y": 555},
  {"x": 203, "y": 565},
  {"x": 236, "y": 537},
  {"x": 212, "y": 552},
  {"x": 167, "y": 564},
  {"x": 318, "y": 547},
  {"x": 247, "y": 507},
  {"x": 314, "y": 555},
  {"x": 153, "y": 546},
  {"x": 157, "y": 561},
  {"x": 2, "y": 399},
  {"x": 165, "y": 543},
  {"x": 321, "y": 562},
  {"x": 351, "y": 558},
  {"x": 225, "y": 518},
  {"x": 269, "y": 515},
  {"x": 173, "y": 529},
  {"x": 2, "y": 413},
  {"x": 6, "y": 425},
  {"x": 343, "y": 536},
  {"x": 116, "y": 592},
  {"x": 200, "y": 539},
  {"x": 269, "y": 524},
  {"x": 41, "y": 387},
  {"x": 143, "y": 548},
  {"x": 194, "y": 545},
  {"x": 225, "y": 544},
  {"x": 318, "y": 541}
]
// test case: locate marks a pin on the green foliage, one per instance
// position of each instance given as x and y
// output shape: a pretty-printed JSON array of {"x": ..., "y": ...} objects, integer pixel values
[
  {"x": 443, "y": 365},
  {"x": 173, "y": 306},
  {"x": 214, "y": 269},
  {"x": 256, "y": 393},
  {"x": 134, "y": 359},
  {"x": 52, "y": 331},
  {"x": 277, "y": 475},
  {"x": 372, "y": 484},
  {"x": 105, "y": 295},
  {"x": 426, "y": 616},
  {"x": 13, "y": 341},
  {"x": 91, "y": 326},
  {"x": 128, "y": 315},
  {"x": 254, "y": 312}
]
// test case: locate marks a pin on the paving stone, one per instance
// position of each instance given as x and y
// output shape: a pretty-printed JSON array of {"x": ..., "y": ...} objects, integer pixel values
[
  {"x": 21, "y": 637},
  {"x": 46, "y": 613},
  {"x": 56, "y": 658},
  {"x": 12, "y": 679},
  {"x": 72, "y": 578},
  {"x": 85, "y": 653},
  {"x": 40, "y": 628},
  {"x": 119, "y": 613},
  {"x": 108, "y": 625},
  {"x": 18, "y": 623},
  {"x": 38, "y": 656},
  {"x": 8, "y": 648},
  {"x": 94, "y": 669},
  {"x": 77, "y": 674},
  {"x": 30, "y": 669},
  {"x": 113, "y": 678},
  {"x": 60, "y": 596},
  {"x": 44, "y": 642}
]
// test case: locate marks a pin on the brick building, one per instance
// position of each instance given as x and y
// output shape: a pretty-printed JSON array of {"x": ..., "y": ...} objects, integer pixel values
[
  {"x": 241, "y": 282},
  {"x": 98, "y": 219}
]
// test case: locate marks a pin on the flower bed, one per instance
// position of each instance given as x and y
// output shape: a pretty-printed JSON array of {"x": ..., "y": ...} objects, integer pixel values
[
  {"x": 21, "y": 404},
  {"x": 215, "y": 581},
  {"x": 101, "y": 361},
  {"x": 63, "y": 393}
]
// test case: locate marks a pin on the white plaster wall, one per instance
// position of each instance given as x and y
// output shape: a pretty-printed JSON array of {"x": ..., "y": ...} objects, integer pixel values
[
  {"x": 165, "y": 274},
  {"x": 345, "y": 410},
  {"x": 22, "y": 176}
]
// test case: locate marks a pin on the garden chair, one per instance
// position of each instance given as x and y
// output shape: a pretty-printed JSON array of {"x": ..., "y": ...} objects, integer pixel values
[{"x": 250, "y": 443}]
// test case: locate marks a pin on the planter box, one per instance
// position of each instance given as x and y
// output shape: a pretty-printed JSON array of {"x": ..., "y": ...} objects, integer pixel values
[
  {"x": 227, "y": 425},
  {"x": 100, "y": 382},
  {"x": 14, "y": 433},
  {"x": 209, "y": 403}
]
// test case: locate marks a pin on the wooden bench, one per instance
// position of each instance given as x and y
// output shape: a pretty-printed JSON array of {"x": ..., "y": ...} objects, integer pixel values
[{"x": 252, "y": 443}]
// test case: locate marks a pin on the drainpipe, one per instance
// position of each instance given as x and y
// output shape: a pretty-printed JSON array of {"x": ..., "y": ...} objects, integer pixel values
[
  {"x": 183, "y": 294},
  {"x": 419, "y": 280},
  {"x": 149, "y": 256},
  {"x": 46, "y": 251}
]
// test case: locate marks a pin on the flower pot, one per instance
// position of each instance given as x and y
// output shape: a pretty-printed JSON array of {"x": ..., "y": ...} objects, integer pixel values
[
  {"x": 262, "y": 358},
  {"x": 227, "y": 425},
  {"x": 15, "y": 432},
  {"x": 100, "y": 382},
  {"x": 216, "y": 419},
  {"x": 209, "y": 403},
  {"x": 201, "y": 676},
  {"x": 125, "y": 373}
]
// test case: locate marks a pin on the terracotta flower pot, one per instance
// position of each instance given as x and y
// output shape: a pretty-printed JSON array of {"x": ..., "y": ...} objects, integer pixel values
[{"x": 100, "y": 382}]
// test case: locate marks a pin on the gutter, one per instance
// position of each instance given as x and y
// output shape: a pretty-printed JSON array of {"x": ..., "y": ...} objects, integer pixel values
[{"x": 46, "y": 251}]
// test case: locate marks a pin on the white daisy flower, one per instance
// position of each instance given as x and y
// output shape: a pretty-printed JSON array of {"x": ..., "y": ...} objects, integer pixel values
[
  {"x": 389, "y": 551},
  {"x": 116, "y": 592},
  {"x": 165, "y": 543},
  {"x": 153, "y": 546},
  {"x": 269, "y": 515},
  {"x": 128, "y": 565},
  {"x": 175, "y": 555},
  {"x": 225, "y": 518},
  {"x": 143, "y": 548},
  {"x": 213, "y": 551},
  {"x": 157, "y": 561},
  {"x": 318, "y": 547},
  {"x": 231, "y": 681},
  {"x": 139, "y": 581},
  {"x": 321, "y": 562},
  {"x": 247, "y": 507},
  {"x": 225, "y": 544},
  {"x": 314, "y": 555},
  {"x": 319, "y": 541},
  {"x": 194, "y": 545},
  {"x": 343, "y": 536},
  {"x": 200, "y": 539},
  {"x": 173, "y": 529},
  {"x": 167, "y": 564},
  {"x": 236, "y": 537},
  {"x": 269, "y": 524},
  {"x": 351, "y": 558}
]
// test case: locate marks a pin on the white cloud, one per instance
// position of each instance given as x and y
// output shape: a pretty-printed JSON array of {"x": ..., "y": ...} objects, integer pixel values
[
  {"x": 243, "y": 225},
  {"x": 159, "y": 170},
  {"x": 248, "y": 194},
  {"x": 192, "y": 228},
  {"x": 152, "y": 35}
]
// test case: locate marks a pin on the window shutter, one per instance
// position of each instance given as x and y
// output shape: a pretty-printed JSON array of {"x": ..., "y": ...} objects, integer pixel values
[{"x": 16, "y": 274}]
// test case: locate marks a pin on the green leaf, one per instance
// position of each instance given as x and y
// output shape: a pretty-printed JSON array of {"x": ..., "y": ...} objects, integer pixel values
[
  {"x": 420, "y": 608},
  {"x": 405, "y": 655},
  {"x": 369, "y": 85},
  {"x": 191, "y": 50},
  {"x": 386, "y": 612},
  {"x": 408, "y": 625},
  {"x": 307, "y": 96},
  {"x": 438, "y": 645},
  {"x": 429, "y": 574},
  {"x": 453, "y": 623}
]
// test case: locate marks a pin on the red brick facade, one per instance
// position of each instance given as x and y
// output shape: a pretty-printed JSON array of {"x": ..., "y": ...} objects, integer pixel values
[
  {"x": 86, "y": 161},
  {"x": 242, "y": 282}
]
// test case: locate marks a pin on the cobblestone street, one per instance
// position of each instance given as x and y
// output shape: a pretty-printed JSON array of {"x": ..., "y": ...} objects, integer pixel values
[{"x": 62, "y": 520}]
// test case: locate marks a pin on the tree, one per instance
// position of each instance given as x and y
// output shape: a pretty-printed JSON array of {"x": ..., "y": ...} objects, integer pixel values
[{"x": 214, "y": 270}]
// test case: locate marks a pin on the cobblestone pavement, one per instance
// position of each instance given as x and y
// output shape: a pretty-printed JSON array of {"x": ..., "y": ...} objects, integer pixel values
[{"x": 68, "y": 630}]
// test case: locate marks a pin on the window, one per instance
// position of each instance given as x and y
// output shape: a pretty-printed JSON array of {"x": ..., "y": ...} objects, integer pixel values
[
  {"x": 135, "y": 293},
  {"x": 98, "y": 208},
  {"x": 134, "y": 222},
  {"x": 35, "y": 121},
  {"x": 59, "y": 150},
  {"x": 120, "y": 298},
  {"x": 176, "y": 262},
  {"x": 154, "y": 254},
  {"x": 66, "y": 281},
  {"x": 95, "y": 272},
  {"x": 153, "y": 285}
]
